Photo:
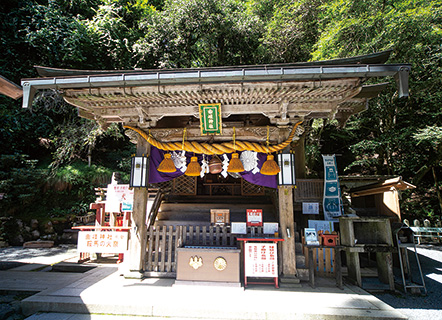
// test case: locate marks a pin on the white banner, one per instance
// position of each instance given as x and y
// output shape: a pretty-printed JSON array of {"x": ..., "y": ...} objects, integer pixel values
[
  {"x": 261, "y": 260},
  {"x": 102, "y": 241},
  {"x": 119, "y": 197},
  {"x": 332, "y": 192}
]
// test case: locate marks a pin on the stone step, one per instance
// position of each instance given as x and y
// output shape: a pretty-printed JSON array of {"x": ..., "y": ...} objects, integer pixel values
[
  {"x": 300, "y": 262},
  {"x": 302, "y": 274}
]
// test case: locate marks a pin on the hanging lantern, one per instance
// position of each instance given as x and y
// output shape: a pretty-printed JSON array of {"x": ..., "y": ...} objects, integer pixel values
[
  {"x": 139, "y": 172},
  {"x": 270, "y": 167},
  {"x": 194, "y": 168},
  {"x": 215, "y": 165},
  {"x": 286, "y": 162},
  {"x": 167, "y": 164},
  {"x": 235, "y": 164}
]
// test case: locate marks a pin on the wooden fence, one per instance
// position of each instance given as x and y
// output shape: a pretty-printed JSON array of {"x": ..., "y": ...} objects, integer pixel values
[
  {"x": 324, "y": 259},
  {"x": 162, "y": 242}
]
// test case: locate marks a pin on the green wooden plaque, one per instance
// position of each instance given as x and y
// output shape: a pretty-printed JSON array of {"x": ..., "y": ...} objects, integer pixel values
[{"x": 210, "y": 119}]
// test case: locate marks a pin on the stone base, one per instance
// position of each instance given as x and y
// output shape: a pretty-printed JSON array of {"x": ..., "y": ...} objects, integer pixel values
[
  {"x": 207, "y": 284},
  {"x": 133, "y": 274},
  {"x": 38, "y": 244}
]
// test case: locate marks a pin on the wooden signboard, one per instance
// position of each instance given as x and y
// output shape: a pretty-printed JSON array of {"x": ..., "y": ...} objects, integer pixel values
[
  {"x": 219, "y": 216},
  {"x": 260, "y": 260},
  {"x": 102, "y": 241},
  {"x": 210, "y": 119}
]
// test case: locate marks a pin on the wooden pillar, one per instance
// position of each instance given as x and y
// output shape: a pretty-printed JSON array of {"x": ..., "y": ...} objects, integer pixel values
[
  {"x": 138, "y": 232},
  {"x": 287, "y": 222}
]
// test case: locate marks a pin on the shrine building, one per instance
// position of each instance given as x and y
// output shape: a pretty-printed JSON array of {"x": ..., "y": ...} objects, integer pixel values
[{"x": 224, "y": 146}]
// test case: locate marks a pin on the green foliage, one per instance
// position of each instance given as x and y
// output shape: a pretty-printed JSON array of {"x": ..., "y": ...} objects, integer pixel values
[
  {"x": 192, "y": 33},
  {"x": 394, "y": 136},
  {"x": 19, "y": 183},
  {"x": 292, "y": 31}
]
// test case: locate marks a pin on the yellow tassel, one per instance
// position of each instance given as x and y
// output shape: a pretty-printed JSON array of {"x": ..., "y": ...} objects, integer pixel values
[
  {"x": 167, "y": 164},
  {"x": 194, "y": 168},
  {"x": 235, "y": 165},
  {"x": 270, "y": 167}
]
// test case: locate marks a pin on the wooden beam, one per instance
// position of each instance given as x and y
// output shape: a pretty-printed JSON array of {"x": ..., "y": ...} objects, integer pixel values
[{"x": 10, "y": 89}]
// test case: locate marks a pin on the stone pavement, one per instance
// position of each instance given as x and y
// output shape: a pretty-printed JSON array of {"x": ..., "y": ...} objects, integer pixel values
[{"x": 101, "y": 293}]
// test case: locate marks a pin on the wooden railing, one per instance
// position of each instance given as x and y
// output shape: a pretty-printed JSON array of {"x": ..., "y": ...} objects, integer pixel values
[
  {"x": 324, "y": 260},
  {"x": 162, "y": 242}
]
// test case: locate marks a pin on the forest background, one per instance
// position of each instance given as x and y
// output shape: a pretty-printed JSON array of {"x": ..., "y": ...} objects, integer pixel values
[{"x": 50, "y": 159}]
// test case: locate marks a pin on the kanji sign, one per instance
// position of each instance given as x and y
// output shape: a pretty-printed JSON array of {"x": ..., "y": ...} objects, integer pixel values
[
  {"x": 119, "y": 196},
  {"x": 210, "y": 119},
  {"x": 254, "y": 217},
  {"x": 261, "y": 260},
  {"x": 102, "y": 241}
]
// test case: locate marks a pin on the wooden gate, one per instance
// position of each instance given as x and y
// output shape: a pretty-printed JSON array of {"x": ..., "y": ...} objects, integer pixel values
[{"x": 162, "y": 242}]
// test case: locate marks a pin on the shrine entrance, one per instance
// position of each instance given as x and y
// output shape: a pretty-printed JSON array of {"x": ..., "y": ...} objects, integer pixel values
[{"x": 212, "y": 186}]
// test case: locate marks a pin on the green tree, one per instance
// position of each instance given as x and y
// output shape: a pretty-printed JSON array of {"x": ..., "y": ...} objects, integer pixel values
[
  {"x": 192, "y": 33},
  {"x": 292, "y": 31},
  {"x": 384, "y": 135}
]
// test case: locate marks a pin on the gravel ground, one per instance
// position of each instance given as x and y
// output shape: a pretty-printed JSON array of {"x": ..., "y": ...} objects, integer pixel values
[{"x": 420, "y": 307}]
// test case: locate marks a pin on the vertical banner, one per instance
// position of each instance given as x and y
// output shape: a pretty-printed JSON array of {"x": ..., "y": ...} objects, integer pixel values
[
  {"x": 210, "y": 119},
  {"x": 332, "y": 192}
]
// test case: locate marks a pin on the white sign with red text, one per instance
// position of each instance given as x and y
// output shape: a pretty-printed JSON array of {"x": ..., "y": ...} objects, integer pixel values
[
  {"x": 254, "y": 217},
  {"x": 261, "y": 260},
  {"x": 119, "y": 197},
  {"x": 102, "y": 241}
]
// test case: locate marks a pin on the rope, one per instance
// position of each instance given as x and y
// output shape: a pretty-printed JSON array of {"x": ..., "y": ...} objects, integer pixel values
[{"x": 215, "y": 148}]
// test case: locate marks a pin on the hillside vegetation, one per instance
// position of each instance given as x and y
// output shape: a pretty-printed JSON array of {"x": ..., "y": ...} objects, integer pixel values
[{"x": 50, "y": 159}]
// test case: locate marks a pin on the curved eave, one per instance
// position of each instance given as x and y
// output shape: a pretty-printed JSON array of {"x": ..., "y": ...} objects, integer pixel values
[
  {"x": 373, "y": 58},
  {"x": 219, "y": 75}
]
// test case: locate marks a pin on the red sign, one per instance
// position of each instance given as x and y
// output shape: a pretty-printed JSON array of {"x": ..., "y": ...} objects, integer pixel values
[
  {"x": 254, "y": 217},
  {"x": 261, "y": 260}
]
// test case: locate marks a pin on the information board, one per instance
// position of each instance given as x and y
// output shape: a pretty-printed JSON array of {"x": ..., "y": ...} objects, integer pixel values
[
  {"x": 119, "y": 196},
  {"x": 102, "y": 241},
  {"x": 254, "y": 217},
  {"x": 261, "y": 260}
]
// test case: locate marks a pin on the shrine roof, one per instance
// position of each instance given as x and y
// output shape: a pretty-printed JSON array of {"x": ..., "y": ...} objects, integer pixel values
[{"x": 282, "y": 93}]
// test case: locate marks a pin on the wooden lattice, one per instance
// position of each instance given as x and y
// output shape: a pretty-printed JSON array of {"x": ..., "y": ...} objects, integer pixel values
[
  {"x": 184, "y": 185},
  {"x": 250, "y": 189},
  {"x": 164, "y": 186},
  {"x": 309, "y": 190}
]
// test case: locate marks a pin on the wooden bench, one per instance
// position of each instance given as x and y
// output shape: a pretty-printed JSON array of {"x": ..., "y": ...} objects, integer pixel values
[{"x": 427, "y": 232}]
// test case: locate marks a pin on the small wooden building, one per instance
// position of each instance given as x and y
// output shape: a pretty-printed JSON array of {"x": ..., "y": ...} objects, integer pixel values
[
  {"x": 380, "y": 199},
  {"x": 263, "y": 105}
]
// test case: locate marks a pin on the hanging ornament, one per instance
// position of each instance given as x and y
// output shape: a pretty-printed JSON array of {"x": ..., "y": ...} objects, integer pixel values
[
  {"x": 215, "y": 165},
  {"x": 179, "y": 160},
  {"x": 167, "y": 164},
  {"x": 204, "y": 167},
  {"x": 250, "y": 161},
  {"x": 225, "y": 165},
  {"x": 269, "y": 167},
  {"x": 194, "y": 168},
  {"x": 235, "y": 164}
]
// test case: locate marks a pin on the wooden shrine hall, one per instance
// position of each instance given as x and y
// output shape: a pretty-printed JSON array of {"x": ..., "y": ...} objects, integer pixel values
[{"x": 194, "y": 116}]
